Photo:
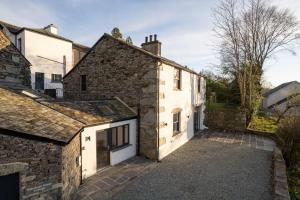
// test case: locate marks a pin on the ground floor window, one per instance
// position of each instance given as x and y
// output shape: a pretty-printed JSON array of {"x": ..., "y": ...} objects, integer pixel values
[
  {"x": 176, "y": 123},
  {"x": 119, "y": 136},
  {"x": 56, "y": 78}
]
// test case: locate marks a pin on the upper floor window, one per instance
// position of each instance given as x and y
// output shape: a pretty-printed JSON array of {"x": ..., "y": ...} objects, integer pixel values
[
  {"x": 176, "y": 123},
  {"x": 83, "y": 82},
  {"x": 177, "y": 78},
  {"x": 19, "y": 45},
  {"x": 56, "y": 78},
  {"x": 199, "y": 84}
]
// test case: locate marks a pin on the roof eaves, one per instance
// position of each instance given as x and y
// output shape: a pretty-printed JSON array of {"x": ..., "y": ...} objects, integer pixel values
[
  {"x": 26, "y": 135},
  {"x": 174, "y": 64},
  {"x": 42, "y": 33}
]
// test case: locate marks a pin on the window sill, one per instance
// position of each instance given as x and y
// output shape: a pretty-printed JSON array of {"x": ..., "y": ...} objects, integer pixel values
[
  {"x": 175, "y": 134},
  {"x": 121, "y": 147},
  {"x": 175, "y": 89}
]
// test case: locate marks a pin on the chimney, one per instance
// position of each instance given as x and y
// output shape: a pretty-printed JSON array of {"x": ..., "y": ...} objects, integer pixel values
[
  {"x": 153, "y": 45},
  {"x": 52, "y": 29}
]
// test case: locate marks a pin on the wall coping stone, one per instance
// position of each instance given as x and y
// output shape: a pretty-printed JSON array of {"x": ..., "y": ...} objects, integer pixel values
[{"x": 280, "y": 184}]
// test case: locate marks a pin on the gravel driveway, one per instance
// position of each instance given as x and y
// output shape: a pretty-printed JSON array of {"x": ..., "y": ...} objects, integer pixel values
[{"x": 207, "y": 168}]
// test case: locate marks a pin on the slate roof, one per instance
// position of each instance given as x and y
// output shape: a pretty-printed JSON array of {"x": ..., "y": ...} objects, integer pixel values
[
  {"x": 93, "y": 112},
  {"x": 33, "y": 114},
  {"x": 163, "y": 59},
  {"x": 16, "y": 29},
  {"x": 278, "y": 88},
  {"x": 12, "y": 28},
  {"x": 160, "y": 58},
  {"x": 24, "y": 114}
]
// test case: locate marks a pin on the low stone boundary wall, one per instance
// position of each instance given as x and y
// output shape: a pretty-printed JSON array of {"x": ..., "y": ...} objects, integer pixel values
[
  {"x": 280, "y": 184},
  {"x": 225, "y": 119}
]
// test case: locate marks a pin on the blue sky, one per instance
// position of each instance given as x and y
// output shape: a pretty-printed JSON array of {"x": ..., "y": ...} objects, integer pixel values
[{"x": 183, "y": 26}]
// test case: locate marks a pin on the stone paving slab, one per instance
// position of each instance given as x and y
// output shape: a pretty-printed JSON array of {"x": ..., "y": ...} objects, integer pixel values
[
  {"x": 109, "y": 181},
  {"x": 214, "y": 165}
]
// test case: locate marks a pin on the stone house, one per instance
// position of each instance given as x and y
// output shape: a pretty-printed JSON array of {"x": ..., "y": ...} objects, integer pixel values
[
  {"x": 168, "y": 97},
  {"x": 50, "y": 54},
  {"x": 47, "y": 147}
]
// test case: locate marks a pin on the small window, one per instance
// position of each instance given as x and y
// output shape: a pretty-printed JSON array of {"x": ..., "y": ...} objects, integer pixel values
[
  {"x": 19, "y": 45},
  {"x": 56, "y": 78},
  {"x": 120, "y": 136},
  {"x": 126, "y": 135},
  {"x": 83, "y": 82},
  {"x": 176, "y": 123},
  {"x": 199, "y": 84},
  {"x": 177, "y": 77},
  {"x": 114, "y": 137}
]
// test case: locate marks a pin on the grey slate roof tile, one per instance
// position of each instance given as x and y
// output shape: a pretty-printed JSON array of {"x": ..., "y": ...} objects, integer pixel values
[{"x": 55, "y": 120}]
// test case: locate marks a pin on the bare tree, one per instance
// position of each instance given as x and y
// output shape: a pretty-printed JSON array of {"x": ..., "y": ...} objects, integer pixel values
[{"x": 251, "y": 31}]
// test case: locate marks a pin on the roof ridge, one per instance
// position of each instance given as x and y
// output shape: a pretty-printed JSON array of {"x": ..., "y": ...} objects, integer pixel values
[{"x": 167, "y": 60}]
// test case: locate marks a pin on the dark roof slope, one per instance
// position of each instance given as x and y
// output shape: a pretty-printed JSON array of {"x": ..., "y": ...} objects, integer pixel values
[
  {"x": 31, "y": 113},
  {"x": 22, "y": 113},
  {"x": 160, "y": 58},
  {"x": 16, "y": 29},
  {"x": 93, "y": 112},
  {"x": 12, "y": 28},
  {"x": 278, "y": 88}
]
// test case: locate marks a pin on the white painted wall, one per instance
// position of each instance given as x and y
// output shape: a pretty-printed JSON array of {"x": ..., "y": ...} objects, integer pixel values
[
  {"x": 281, "y": 94},
  {"x": 36, "y": 46},
  {"x": 186, "y": 99},
  {"x": 89, "y": 157}
]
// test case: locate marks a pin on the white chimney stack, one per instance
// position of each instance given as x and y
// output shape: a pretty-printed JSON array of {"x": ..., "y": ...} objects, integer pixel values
[{"x": 52, "y": 29}]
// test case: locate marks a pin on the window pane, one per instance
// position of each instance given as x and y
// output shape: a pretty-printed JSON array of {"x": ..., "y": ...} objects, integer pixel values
[
  {"x": 126, "y": 134},
  {"x": 120, "y": 136},
  {"x": 83, "y": 82},
  {"x": 175, "y": 117},
  {"x": 114, "y": 137}
]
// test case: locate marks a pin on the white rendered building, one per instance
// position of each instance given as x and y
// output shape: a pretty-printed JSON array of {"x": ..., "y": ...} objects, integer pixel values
[{"x": 51, "y": 55}]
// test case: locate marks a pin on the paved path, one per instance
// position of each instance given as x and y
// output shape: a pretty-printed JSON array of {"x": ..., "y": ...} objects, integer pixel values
[
  {"x": 109, "y": 181},
  {"x": 212, "y": 166}
]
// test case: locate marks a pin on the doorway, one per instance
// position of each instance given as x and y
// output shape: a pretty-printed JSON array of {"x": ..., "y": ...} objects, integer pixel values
[
  {"x": 102, "y": 148},
  {"x": 197, "y": 118},
  {"x": 39, "y": 81},
  {"x": 10, "y": 188}
]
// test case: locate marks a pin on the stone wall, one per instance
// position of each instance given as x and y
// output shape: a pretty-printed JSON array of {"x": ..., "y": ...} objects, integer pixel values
[
  {"x": 227, "y": 119},
  {"x": 71, "y": 173},
  {"x": 114, "y": 68},
  {"x": 42, "y": 176},
  {"x": 14, "y": 68}
]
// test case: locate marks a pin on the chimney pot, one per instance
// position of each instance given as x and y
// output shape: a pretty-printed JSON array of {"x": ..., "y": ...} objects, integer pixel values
[{"x": 152, "y": 46}]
